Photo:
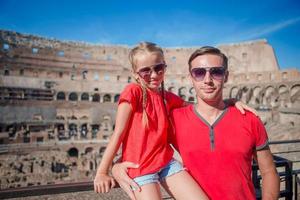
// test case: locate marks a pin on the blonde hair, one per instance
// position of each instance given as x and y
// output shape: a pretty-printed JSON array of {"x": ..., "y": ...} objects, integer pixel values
[{"x": 141, "y": 49}]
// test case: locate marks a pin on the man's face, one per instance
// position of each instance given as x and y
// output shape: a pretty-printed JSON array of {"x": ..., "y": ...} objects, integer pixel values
[{"x": 208, "y": 77}]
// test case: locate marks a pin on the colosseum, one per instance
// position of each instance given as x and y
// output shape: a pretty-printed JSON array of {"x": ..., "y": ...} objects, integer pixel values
[{"x": 58, "y": 101}]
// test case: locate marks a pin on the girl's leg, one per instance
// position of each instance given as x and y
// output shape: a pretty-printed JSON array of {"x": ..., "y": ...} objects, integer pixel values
[
  {"x": 183, "y": 187},
  {"x": 149, "y": 191}
]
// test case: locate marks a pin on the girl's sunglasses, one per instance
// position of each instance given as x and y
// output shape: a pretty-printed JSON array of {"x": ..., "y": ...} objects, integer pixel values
[
  {"x": 146, "y": 71},
  {"x": 216, "y": 73}
]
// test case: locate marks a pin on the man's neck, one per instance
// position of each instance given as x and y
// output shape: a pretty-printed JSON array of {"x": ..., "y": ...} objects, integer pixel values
[{"x": 211, "y": 110}]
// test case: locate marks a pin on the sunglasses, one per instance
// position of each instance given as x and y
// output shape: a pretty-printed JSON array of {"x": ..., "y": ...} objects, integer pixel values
[
  {"x": 157, "y": 68},
  {"x": 216, "y": 73}
]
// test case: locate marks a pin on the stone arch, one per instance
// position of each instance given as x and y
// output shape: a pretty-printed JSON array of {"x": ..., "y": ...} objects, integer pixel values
[
  {"x": 73, "y": 96},
  {"x": 183, "y": 97},
  {"x": 107, "y": 98},
  {"x": 270, "y": 97},
  {"x": 256, "y": 96},
  {"x": 96, "y": 97},
  {"x": 83, "y": 130},
  {"x": 284, "y": 96},
  {"x": 95, "y": 128},
  {"x": 245, "y": 94},
  {"x": 73, "y": 152},
  {"x": 88, "y": 150},
  {"x": 72, "y": 129},
  {"x": 61, "y": 96},
  {"x": 182, "y": 91},
  {"x": 84, "y": 117},
  {"x": 60, "y": 130},
  {"x": 85, "y": 96},
  {"x": 171, "y": 89},
  {"x": 295, "y": 93},
  {"x": 192, "y": 91},
  {"x": 101, "y": 151},
  {"x": 60, "y": 117},
  {"x": 116, "y": 98},
  {"x": 234, "y": 92}
]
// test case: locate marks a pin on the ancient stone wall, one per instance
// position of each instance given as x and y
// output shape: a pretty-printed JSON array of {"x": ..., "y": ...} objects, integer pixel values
[{"x": 63, "y": 95}]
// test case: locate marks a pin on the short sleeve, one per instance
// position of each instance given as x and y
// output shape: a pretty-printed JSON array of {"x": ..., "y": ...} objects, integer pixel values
[
  {"x": 261, "y": 136},
  {"x": 174, "y": 101},
  {"x": 131, "y": 94},
  {"x": 171, "y": 132}
]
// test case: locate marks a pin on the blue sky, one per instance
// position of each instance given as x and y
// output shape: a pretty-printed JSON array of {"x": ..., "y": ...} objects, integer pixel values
[{"x": 170, "y": 23}]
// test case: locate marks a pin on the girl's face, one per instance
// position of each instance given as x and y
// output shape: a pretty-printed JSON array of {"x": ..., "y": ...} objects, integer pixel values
[{"x": 150, "y": 69}]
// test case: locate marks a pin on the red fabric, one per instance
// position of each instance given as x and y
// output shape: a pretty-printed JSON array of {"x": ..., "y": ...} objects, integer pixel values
[
  {"x": 224, "y": 172},
  {"x": 147, "y": 146}
]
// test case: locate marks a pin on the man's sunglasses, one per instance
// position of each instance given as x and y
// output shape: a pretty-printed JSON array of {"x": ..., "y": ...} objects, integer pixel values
[
  {"x": 216, "y": 73},
  {"x": 146, "y": 71}
]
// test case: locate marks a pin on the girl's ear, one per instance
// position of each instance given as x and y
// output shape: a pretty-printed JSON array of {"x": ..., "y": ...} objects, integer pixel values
[{"x": 135, "y": 76}]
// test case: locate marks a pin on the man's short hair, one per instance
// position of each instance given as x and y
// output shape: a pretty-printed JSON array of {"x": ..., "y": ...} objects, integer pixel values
[{"x": 208, "y": 50}]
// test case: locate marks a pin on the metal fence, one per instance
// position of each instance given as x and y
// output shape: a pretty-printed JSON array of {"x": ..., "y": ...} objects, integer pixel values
[{"x": 288, "y": 176}]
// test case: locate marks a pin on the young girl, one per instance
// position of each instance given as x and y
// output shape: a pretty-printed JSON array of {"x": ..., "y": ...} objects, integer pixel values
[{"x": 141, "y": 126}]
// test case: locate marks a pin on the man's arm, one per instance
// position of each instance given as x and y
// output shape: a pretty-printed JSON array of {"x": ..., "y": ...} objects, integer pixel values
[{"x": 270, "y": 178}]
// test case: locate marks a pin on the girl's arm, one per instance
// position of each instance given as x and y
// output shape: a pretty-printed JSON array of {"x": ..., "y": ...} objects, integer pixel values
[
  {"x": 241, "y": 106},
  {"x": 103, "y": 182}
]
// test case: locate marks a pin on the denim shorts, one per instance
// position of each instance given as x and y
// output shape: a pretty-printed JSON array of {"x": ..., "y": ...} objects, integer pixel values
[{"x": 171, "y": 168}]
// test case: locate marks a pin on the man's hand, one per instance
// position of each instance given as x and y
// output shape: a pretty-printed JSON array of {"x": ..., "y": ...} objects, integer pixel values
[
  {"x": 103, "y": 183},
  {"x": 119, "y": 172}
]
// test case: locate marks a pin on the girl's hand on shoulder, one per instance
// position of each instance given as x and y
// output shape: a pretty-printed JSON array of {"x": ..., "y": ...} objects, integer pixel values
[
  {"x": 103, "y": 183},
  {"x": 242, "y": 107}
]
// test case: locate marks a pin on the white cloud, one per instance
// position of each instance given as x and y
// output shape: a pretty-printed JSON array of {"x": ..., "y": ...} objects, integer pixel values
[{"x": 260, "y": 31}]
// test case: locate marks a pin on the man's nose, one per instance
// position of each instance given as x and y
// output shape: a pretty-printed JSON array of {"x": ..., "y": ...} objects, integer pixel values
[{"x": 207, "y": 77}]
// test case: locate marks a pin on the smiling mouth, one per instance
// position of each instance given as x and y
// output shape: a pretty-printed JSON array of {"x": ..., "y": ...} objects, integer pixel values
[{"x": 208, "y": 89}]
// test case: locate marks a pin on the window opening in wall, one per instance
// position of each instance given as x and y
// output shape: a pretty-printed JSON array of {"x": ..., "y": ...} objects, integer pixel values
[
  {"x": 87, "y": 55},
  {"x": 35, "y": 50},
  {"x": 96, "y": 89},
  {"x": 61, "y": 96},
  {"x": 284, "y": 75},
  {"x": 108, "y": 57},
  {"x": 21, "y": 72},
  {"x": 61, "y": 53},
  {"x": 60, "y": 74},
  {"x": 96, "y": 76},
  {"x": 85, "y": 97},
  {"x": 107, "y": 98},
  {"x": 73, "y": 96},
  {"x": 106, "y": 77},
  {"x": 84, "y": 73},
  {"x": 173, "y": 58},
  {"x": 40, "y": 139},
  {"x": 118, "y": 78},
  {"x": 259, "y": 77},
  {"x": 6, "y": 72},
  {"x": 244, "y": 55},
  {"x": 96, "y": 97},
  {"x": 6, "y": 46}
]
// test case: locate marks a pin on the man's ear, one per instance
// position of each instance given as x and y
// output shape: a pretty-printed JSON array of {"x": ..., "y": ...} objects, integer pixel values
[
  {"x": 226, "y": 76},
  {"x": 190, "y": 78}
]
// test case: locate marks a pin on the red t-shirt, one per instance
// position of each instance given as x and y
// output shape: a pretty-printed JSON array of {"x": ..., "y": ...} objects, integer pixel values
[
  {"x": 147, "y": 147},
  {"x": 219, "y": 157}
]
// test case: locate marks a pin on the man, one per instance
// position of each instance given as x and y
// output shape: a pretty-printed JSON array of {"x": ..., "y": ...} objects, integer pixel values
[{"x": 217, "y": 143}]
